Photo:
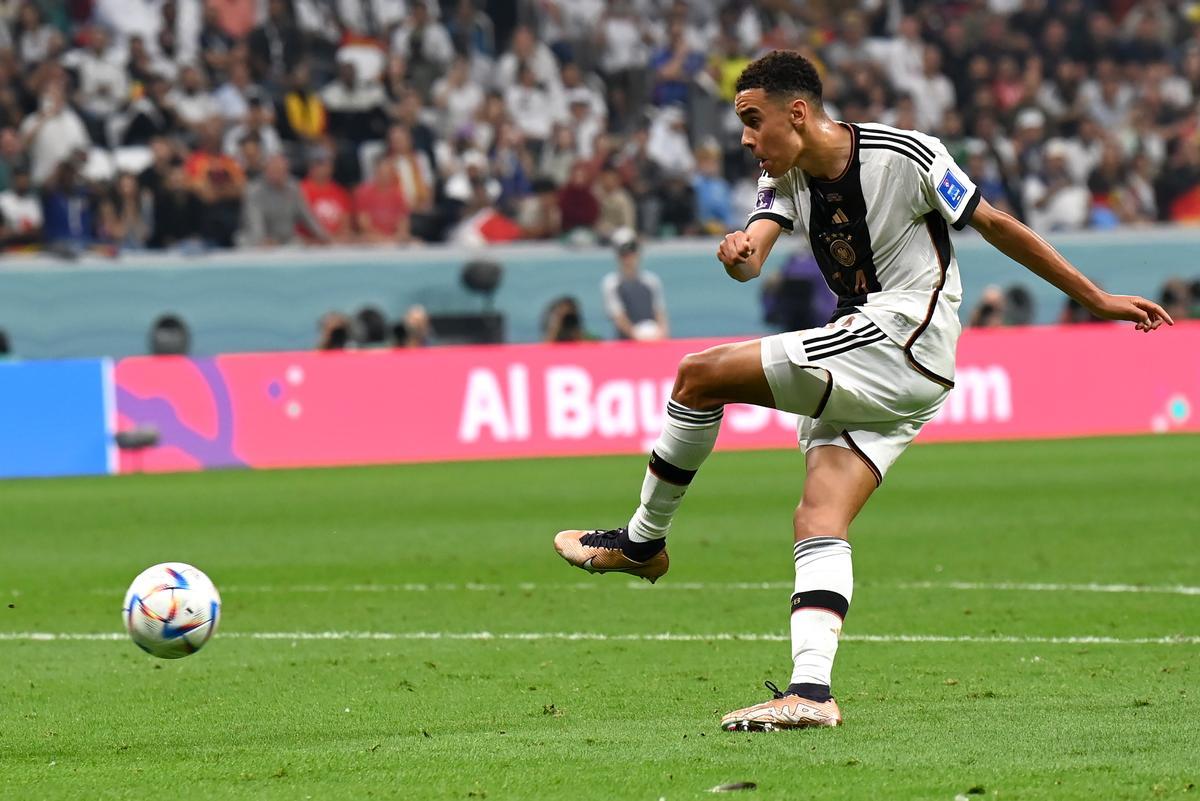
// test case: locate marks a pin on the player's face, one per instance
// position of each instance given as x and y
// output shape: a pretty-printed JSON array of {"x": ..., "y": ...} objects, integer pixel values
[{"x": 770, "y": 129}]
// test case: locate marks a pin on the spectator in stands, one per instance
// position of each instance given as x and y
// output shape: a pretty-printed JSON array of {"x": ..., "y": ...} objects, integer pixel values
[
  {"x": 675, "y": 66},
  {"x": 259, "y": 123},
  {"x": 990, "y": 313},
  {"x": 563, "y": 321},
  {"x": 526, "y": 52},
  {"x": 415, "y": 331},
  {"x": 5, "y": 345},
  {"x": 617, "y": 209},
  {"x": 68, "y": 211},
  {"x": 177, "y": 214},
  {"x": 277, "y": 45},
  {"x": 214, "y": 43},
  {"x": 425, "y": 44},
  {"x": 275, "y": 209},
  {"x": 668, "y": 145},
  {"x": 330, "y": 202},
  {"x": 633, "y": 298},
  {"x": 31, "y": 35},
  {"x": 251, "y": 156},
  {"x": 355, "y": 115},
  {"x": 301, "y": 115},
  {"x": 152, "y": 115},
  {"x": 12, "y": 157},
  {"x": 53, "y": 133},
  {"x": 413, "y": 169},
  {"x": 585, "y": 123},
  {"x": 1176, "y": 298},
  {"x": 713, "y": 194},
  {"x": 1054, "y": 201},
  {"x": 539, "y": 213},
  {"x": 232, "y": 97},
  {"x": 456, "y": 97},
  {"x": 192, "y": 101},
  {"x": 219, "y": 182},
  {"x": 21, "y": 211},
  {"x": 102, "y": 87},
  {"x": 532, "y": 107},
  {"x": 380, "y": 209},
  {"x": 577, "y": 206},
  {"x": 370, "y": 328},
  {"x": 624, "y": 44},
  {"x": 122, "y": 218},
  {"x": 333, "y": 331}
]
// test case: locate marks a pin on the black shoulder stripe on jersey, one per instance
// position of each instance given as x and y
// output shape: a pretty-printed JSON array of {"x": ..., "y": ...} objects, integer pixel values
[
  {"x": 923, "y": 162},
  {"x": 897, "y": 136},
  {"x": 784, "y": 222}
]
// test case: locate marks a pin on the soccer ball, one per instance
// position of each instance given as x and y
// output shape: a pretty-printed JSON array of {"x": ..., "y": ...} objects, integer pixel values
[{"x": 171, "y": 610}]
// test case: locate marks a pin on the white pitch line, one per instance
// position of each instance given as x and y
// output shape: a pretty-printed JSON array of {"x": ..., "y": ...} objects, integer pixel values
[
  {"x": 41, "y": 636},
  {"x": 698, "y": 586}
]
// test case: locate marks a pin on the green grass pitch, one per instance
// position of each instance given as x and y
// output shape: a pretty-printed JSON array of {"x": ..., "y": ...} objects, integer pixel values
[{"x": 1026, "y": 625}]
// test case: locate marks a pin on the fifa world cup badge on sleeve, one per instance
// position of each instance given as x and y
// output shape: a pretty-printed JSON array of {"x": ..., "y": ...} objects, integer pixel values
[
  {"x": 949, "y": 188},
  {"x": 766, "y": 197}
]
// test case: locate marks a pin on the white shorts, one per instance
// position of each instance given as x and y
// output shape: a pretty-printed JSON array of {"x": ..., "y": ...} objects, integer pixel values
[{"x": 874, "y": 403}]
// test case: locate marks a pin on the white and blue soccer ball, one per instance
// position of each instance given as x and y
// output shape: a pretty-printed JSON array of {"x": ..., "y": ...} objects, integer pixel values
[{"x": 171, "y": 610}]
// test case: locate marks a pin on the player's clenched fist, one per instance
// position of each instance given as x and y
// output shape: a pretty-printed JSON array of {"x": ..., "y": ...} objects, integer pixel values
[{"x": 735, "y": 249}]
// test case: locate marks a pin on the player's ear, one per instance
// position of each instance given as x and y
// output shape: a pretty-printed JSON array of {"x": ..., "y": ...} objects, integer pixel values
[{"x": 798, "y": 111}]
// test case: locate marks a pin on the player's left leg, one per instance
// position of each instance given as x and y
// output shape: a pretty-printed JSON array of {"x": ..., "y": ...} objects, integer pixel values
[{"x": 838, "y": 483}]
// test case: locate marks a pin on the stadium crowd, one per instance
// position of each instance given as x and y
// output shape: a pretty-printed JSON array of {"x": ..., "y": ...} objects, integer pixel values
[{"x": 131, "y": 124}]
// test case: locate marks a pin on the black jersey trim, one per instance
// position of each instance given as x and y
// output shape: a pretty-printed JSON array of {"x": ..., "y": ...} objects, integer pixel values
[
  {"x": 862, "y": 455},
  {"x": 925, "y": 164},
  {"x": 968, "y": 212},
  {"x": 898, "y": 136},
  {"x": 784, "y": 222},
  {"x": 939, "y": 236}
]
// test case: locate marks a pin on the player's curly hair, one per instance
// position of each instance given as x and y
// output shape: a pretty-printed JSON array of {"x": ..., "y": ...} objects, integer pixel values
[{"x": 782, "y": 72}]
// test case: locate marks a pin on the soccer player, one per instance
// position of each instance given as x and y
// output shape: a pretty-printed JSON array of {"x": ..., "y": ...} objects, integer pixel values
[{"x": 876, "y": 204}]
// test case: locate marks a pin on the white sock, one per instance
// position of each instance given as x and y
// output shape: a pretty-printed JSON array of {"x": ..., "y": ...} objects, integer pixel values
[
  {"x": 686, "y": 440},
  {"x": 824, "y": 586}
]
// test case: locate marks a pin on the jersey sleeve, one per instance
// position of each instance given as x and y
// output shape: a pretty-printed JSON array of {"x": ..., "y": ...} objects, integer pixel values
[
  {"x": 776, "y": 202},
  {"x": 946, "y": 188}
]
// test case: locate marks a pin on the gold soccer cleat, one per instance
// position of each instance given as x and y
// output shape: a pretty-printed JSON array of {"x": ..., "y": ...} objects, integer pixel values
[
  {"x": 783, "y": 712},
  {"x": 600, "y": 552}
]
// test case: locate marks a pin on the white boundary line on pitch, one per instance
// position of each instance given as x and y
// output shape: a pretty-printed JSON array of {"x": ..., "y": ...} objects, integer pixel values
[
  {"x": 704, "y": 586},
  {"x": 40, "y": 636}
]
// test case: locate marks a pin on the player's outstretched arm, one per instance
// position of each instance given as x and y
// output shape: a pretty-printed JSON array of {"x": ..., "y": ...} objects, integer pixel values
[
  {"x": 744, "y": 252},
  {"x": 1021, "y": 244}
]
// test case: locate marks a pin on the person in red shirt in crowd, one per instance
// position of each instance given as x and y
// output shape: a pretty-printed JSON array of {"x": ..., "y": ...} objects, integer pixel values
[
  {"x": 329, "y": 201},
  {"x": 380, "y": 208},
  {"x": 576, "y": 202}
]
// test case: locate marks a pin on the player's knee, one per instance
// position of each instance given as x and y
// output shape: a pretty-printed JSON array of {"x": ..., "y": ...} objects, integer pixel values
[
  {"x": 693, "y": 379},
  {"x": 815, "y": 521}
]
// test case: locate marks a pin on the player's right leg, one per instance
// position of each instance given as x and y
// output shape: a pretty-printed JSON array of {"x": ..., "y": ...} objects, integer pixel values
[{"x": 704, "y": 383}]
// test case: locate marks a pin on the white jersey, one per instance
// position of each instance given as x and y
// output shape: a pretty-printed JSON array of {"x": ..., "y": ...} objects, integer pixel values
[{"x": 879, "y": 232}]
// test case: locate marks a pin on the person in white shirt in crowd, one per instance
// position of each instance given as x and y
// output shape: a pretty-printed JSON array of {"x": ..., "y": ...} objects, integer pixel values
[
  {"x": 531, "y": 106},
  {"x": 52, "y": 133},
  {"x": 931, "y": 92},
  {"x": 191, "y": 99},
  {"x": 425, "y": 44},
  {"x": 258, "y": 123},
  {"x": 625, "y": 48},
  {"x": 1054, "y": 201},
  {"x": 668, "y": 145},
  {"x": 528, "y": 51},
  {"x": 901, "y": 56},
  {"x": 21, "y": 209},
  {"x": 102, "y": 86},
  {"x": 456, "y": 96}
]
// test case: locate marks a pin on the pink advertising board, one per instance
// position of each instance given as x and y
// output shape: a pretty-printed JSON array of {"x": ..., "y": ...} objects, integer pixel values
[{"x": 304, "y": 409}]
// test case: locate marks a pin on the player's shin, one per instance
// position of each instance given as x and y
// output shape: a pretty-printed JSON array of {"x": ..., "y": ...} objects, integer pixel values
[
  {"x": 824, "y": 586},
  {"x": 686, "y": 440}
]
